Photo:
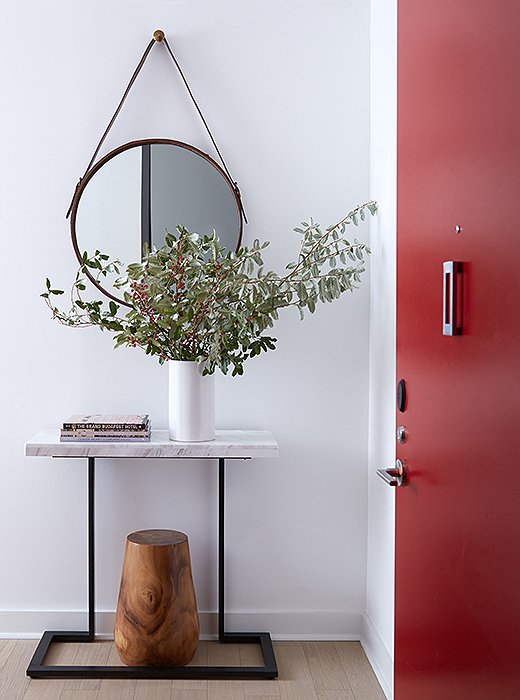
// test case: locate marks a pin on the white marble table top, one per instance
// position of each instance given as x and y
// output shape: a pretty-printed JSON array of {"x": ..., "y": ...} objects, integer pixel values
[{"x": 227, "y": 443}]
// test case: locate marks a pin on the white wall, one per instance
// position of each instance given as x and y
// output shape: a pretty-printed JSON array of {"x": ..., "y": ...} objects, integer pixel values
[
  {"x": 285, "y": 88},
  {"x": 378, "y": 631}
]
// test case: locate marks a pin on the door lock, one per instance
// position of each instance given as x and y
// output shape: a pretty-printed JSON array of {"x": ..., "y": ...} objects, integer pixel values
[
  {"x": 401, "y": 434},
  {"x": 401, "y": 396}
]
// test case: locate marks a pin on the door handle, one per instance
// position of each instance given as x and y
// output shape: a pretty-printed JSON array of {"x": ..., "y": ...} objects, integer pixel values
[
  {"x": 451, "y": 307},
  {"x": 394, "y": 476}
]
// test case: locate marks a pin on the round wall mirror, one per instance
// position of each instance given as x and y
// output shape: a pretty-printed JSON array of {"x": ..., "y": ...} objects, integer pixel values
[{"x": 136, "y": 193}]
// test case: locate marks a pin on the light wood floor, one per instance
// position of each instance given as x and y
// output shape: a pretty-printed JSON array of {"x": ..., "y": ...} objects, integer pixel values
[{"x": 307, "y": 671}]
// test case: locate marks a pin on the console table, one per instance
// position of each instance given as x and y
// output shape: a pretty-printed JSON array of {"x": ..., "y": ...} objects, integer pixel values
[{"x": 229, "y": 444}]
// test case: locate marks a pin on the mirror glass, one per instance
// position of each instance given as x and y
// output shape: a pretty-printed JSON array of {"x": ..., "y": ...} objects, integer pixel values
[{"x": 135, "y": 194}]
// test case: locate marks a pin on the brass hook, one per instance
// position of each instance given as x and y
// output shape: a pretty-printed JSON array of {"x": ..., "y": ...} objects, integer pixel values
[{"x": 158, "y": 35}]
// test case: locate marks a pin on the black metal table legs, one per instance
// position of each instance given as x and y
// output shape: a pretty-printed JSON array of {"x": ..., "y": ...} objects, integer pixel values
[{"x": 38, "y": 669}]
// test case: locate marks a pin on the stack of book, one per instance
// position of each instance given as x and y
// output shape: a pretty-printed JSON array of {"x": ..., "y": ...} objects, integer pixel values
[{"x": 100, "y": 428}]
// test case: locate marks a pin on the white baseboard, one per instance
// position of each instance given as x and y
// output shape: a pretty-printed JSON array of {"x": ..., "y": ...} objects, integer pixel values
[
  {"x": 318, "y": 625},
  {"x": 379, "y": 656}
]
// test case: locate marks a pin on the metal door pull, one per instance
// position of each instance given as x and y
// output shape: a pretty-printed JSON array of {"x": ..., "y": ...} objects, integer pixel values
[
  {"x": 394, "y": 476},
  {"x": 451, "y": 306}
]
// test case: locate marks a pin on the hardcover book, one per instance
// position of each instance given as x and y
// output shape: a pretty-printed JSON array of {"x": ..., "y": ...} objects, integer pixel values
[
  {"x": 103, "y": 438},
  {"x": 97, "y": 427},
  {"x": 98, "y": 421},
  {"x": 104, "y": 433}
]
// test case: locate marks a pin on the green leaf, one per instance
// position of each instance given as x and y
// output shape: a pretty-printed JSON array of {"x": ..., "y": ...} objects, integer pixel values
[{"x": 194, "y": 300}]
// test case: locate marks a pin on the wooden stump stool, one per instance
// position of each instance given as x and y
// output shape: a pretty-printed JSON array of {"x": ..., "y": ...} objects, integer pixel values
[{"x": 156, "y": 618}]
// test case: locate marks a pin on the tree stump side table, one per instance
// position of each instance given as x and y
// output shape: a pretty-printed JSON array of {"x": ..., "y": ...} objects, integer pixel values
[{"x": 156, "y": 618}]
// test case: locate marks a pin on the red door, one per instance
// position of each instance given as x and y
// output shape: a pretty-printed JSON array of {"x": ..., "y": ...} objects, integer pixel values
[{"x": 457, "y": 629}]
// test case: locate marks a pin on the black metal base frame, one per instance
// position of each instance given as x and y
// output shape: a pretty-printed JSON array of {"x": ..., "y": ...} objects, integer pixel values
[{"x": 38, "y": 669}]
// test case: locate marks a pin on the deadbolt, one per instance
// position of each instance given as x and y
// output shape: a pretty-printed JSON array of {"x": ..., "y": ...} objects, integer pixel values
[{"x": 401, "y": 434}]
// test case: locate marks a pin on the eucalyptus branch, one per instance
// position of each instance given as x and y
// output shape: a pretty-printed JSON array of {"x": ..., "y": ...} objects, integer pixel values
[
  {"x": 351, "y": 217},
  {"x": 193, "y": 300}
]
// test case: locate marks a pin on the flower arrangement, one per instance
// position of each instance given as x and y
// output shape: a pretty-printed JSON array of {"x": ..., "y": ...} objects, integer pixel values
[{"x": 194, "y": 300}]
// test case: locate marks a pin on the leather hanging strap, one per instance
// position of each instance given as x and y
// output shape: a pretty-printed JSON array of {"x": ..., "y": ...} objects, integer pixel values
[
  {"x": 158, "y": 37},
  {"x": 190, "y": 93}
]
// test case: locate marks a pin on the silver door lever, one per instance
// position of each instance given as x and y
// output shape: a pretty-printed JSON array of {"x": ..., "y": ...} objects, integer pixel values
[{"x": 394, "y": 476}]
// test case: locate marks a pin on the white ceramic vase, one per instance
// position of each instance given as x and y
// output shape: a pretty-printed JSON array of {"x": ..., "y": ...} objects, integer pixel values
[{"x": 191, "y": 403}]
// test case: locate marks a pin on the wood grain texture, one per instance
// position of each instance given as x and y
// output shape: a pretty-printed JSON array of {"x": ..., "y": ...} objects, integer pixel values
[
  {"x": 61, "y": 654},
  {"x": 43, "y": 690},
  {"x": 13, "y": 681},
  {"x": 224, "y": 655},
  {"x": 326, "y": 669},
  {"x": 156, "y": 618},
  {"x": 6, "y": 647},
  {"x": 251, "y": 655},
  {"x": 83, "y": 694},
  {"x": 200, "y": 659},
  {"x": 154, "y": 690},
  {"x": 189, "y": 694},
  {"x": 86, "y": 655},
  {"x": 226, "y": 690},
  {"x": 295, "y": 680},
  {"x": 361, "y": 678},
  {"x": 117, "y": 689}
]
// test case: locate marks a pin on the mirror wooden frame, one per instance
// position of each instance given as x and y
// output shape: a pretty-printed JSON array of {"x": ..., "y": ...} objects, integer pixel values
[{"x": 120, "y": 149}]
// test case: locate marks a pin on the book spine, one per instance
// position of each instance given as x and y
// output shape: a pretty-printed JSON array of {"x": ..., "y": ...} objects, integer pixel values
[
  {"x": 107, "y": 433},
  {"x": 66, "y": 438},
  {"x": 104, "y": 433},
  {"x": 114, "y": 427}
]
